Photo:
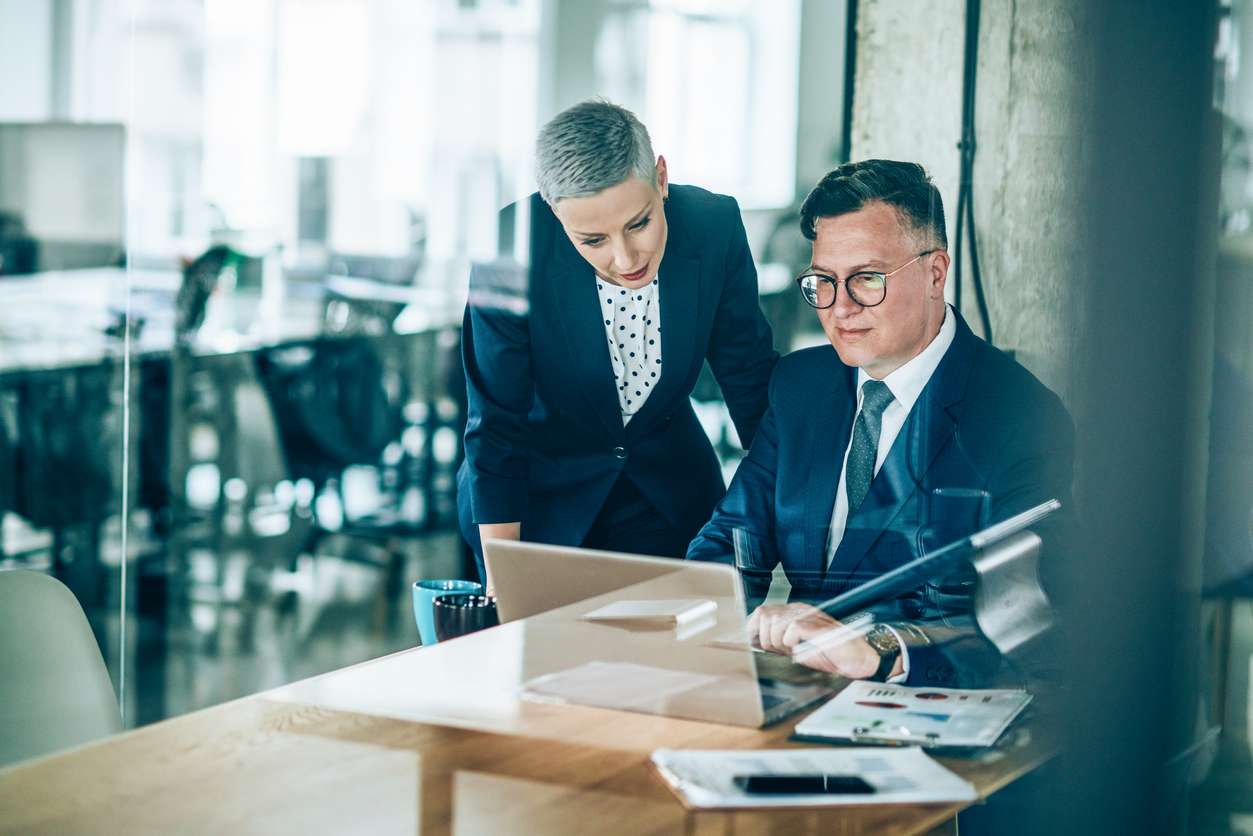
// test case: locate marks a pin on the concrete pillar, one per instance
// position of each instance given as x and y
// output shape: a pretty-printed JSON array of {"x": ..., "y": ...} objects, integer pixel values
[
  {"x": 1030, "y": 115},
  {"x": 907, "y": 101},
  {"x": 1143, "y": 365},
  {"x": 1095, "y": 190}
]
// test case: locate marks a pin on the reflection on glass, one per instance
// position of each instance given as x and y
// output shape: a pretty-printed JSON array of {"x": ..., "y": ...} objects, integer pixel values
[{"x": 286, "y": 197}]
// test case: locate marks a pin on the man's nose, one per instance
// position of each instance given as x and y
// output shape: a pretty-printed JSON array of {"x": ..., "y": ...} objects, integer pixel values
[{"x": 844, "y": 305}]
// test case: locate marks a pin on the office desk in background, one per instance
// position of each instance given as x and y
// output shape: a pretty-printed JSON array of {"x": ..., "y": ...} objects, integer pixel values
[
  {"x": 196, "y": 566},
  {"x": 66, "y": 318},
  {"x": 61, "y": 380},
  {"x": 429, "y": 741}
]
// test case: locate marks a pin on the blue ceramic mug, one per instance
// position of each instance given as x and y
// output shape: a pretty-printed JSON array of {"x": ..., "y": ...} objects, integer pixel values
[{"x": 424, "y": 595}]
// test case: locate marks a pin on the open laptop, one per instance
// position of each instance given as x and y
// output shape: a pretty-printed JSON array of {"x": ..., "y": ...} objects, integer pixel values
[
  {"x": 703, "y": 671},
  {"x": 531, "y": 578}
]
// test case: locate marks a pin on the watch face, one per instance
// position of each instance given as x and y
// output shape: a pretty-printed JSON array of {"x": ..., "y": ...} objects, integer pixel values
[{"x": 883, "y": 640}]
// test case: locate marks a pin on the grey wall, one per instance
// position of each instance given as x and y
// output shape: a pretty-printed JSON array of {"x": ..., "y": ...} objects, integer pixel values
[
  {"x": 907, "y": 102},
  {"x": 1030, "y": 112}
]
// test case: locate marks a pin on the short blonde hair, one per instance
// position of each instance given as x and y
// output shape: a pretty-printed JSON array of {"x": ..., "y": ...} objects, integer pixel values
[{"x": 590, "y": 147}]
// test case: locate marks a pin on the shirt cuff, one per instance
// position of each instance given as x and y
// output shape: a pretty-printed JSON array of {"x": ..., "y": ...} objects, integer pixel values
[{"x": 904, "y": 675}]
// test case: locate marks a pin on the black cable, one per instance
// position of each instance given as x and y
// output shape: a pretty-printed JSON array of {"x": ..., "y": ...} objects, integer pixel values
[
  {"x": 850, "y": 70},
  {"x": 965, "y": 189},
  {"x": 961, "y": 220}
]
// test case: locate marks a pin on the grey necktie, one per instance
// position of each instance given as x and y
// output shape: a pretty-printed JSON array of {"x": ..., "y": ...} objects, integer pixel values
[{"x": 865, "y": 449}]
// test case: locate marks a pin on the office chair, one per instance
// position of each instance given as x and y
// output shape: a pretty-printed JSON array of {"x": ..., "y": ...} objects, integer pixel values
[{"x": 55, "y": 691}]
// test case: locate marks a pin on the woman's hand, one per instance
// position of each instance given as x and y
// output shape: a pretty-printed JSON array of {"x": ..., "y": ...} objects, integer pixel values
[
  {"x": 807, "y": 635},
  {"x": 497, "y": 531}
]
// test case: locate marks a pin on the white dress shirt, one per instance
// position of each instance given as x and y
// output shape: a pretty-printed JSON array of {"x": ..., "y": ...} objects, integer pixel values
[
  {"x": 906, "y": 385},
  {"x": 633, "y": 326}
]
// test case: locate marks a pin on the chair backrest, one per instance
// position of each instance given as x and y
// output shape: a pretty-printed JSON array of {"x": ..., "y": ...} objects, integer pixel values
[{"x": 55, "y": 690}]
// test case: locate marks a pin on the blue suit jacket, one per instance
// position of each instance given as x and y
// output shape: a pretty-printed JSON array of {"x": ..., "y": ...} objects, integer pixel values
[
  {"x": 982, "y": 422},
  {"x": 544, "y": 439}
]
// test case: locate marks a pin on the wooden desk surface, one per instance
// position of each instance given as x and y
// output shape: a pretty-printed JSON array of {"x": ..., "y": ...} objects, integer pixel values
[{"x": 431, "y": 741}]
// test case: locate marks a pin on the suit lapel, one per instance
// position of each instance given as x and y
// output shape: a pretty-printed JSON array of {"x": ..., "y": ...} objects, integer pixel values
[
  {"x": 929, "y": 426},
  {"x": 578, "y": 310},
  {"x": 678, "y": 292},
  {"x": 832, "y": 426}
]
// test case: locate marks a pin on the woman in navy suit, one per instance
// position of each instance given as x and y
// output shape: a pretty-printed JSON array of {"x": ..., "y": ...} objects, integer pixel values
[{"x": 580, "y": 429}]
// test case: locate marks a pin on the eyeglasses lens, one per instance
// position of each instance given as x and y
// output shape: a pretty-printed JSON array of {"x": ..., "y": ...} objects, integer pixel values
[
  {"x": 818, "y": 292},
  {"x": 866, "y": 289}
]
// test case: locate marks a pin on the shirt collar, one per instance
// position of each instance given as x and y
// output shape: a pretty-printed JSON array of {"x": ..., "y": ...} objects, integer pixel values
[{"x": 907, "y": 382}]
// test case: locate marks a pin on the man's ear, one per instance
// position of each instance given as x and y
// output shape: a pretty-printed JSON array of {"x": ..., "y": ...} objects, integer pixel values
[
  {"x": 663, "y": 177},
  {"x": 937, "y": 265}
]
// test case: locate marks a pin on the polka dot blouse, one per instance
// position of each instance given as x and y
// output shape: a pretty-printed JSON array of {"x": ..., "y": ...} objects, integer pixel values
[{"x": 633, "y": 327}]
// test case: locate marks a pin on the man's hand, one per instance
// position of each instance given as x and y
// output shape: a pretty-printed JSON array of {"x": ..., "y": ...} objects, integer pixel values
[
  {"x": 497, "y": 531},
  {"x": 810, "y": 637}
]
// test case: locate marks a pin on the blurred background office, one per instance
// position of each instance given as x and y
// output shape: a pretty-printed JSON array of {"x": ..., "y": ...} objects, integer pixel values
[
  {"x": 235, "y": 237},
  {"x": 236, "y": 242}
]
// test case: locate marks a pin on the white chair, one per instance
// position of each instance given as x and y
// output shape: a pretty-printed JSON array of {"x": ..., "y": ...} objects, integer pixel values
[{"x": 55, "y": 691}]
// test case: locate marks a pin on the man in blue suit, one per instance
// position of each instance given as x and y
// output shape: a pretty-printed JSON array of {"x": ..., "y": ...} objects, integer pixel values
[{"x": 840, "y": 483}]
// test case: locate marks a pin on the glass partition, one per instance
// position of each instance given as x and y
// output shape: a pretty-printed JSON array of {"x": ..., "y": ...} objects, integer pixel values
[{"x": 237, "y": 241}]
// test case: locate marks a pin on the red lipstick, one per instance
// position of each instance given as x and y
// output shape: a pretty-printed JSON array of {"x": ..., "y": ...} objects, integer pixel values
[{"x": 637, "y": 275}]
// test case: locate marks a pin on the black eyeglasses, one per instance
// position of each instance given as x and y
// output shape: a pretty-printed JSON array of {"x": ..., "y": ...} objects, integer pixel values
[{"x": 866, "y": 289}]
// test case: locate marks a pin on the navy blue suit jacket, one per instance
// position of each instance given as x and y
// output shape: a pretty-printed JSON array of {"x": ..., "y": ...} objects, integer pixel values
[
  {"x": 982, "y": 422},
  {"x": 544, "y": 439}
]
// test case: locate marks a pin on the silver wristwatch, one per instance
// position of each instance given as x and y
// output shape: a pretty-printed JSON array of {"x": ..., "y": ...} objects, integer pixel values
[{"x": 885, "y": 643}]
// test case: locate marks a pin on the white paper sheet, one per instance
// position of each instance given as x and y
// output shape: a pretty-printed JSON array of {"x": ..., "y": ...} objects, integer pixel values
[
  {"x": 933, "y": 716},
  {"x": 705, "y": 779}
]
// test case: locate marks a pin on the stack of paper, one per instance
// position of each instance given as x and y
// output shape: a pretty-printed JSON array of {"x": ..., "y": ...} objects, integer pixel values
[
  {"x": 871, "y": 711},
  {"x": 707, "y": 779}
]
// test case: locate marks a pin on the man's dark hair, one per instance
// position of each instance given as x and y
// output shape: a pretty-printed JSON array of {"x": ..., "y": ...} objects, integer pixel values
[{"x": 905, "y": 186}]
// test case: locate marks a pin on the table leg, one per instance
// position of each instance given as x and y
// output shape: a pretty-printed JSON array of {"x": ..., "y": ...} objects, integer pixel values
[
  {"x": 435, "y": 796},
  {"x": 1221, "y": 660},
  {"x": 948, "y": 828}
]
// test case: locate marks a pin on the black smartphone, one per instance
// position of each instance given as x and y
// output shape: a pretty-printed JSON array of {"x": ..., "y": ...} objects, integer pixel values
[{"x": 803, "y": 784}]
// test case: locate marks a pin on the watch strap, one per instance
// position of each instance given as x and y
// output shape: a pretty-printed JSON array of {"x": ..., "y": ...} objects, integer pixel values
[{"x": 886, "y": 662}]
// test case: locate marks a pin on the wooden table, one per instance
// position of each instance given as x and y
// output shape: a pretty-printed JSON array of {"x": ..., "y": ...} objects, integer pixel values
[{"x": 430, "y": 741}]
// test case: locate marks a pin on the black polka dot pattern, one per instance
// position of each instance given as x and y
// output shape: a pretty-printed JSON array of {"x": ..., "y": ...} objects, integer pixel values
[{"x": 637, "y": 350}]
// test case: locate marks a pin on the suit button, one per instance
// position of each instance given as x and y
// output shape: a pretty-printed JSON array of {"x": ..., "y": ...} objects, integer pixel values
[{"x": 620, "y": 452}]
